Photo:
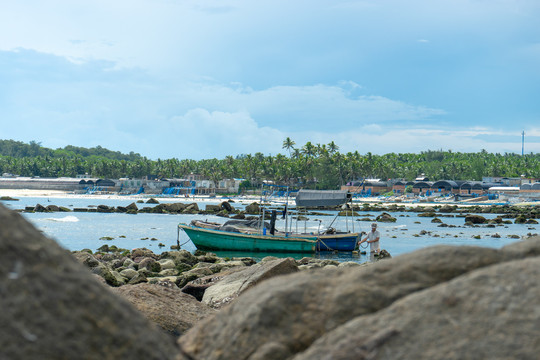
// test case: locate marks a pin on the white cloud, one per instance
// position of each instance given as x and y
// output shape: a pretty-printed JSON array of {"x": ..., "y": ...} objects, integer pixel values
[{"x": 203, "y": 134}]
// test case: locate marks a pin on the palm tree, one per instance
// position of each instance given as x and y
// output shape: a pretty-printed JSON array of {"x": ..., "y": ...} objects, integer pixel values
[
  {"x": 332, "y": 147},
  {"x": 288, "y": 144}
]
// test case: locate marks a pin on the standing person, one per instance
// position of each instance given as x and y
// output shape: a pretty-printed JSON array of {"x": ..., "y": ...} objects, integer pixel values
[{"x": 372, "y": 239}]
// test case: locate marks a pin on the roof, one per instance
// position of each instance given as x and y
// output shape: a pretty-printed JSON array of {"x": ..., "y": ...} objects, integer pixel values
[
  {"x": 312, "y": 198},
  {"x": 447, "y": 184}
]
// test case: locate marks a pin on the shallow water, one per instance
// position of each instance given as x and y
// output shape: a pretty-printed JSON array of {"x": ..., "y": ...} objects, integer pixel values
[{"x": 80, "y": 230}]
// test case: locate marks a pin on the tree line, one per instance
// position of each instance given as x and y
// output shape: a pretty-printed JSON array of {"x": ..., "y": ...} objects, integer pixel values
[{"x": 320, "y": 166}]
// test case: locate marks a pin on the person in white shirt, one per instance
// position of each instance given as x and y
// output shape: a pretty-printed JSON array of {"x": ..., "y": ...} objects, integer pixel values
[{"x": 372, "y": 239}]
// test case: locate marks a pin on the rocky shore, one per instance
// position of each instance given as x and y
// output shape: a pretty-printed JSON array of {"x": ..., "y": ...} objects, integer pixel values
[
  {"x": 443, "y": 302},
  {"x": 520, "y": 213}
]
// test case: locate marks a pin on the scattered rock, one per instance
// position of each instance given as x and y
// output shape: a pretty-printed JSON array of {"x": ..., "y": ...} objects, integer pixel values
[{"x": 168, "y": 307}]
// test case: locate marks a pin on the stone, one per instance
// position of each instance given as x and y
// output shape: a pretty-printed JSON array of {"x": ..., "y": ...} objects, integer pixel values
[
  {"x": 385, "y": 217},
  {"x": 494, "y": 308},
  {"x": 228, "y": 289},
  {"x": 54, "y": 308},
  {"x": 252, "y": 209},
  {"x": 168, "y": 307},
  {"x": 475, "y": 219},
  {"x": 295, "y": 310}
]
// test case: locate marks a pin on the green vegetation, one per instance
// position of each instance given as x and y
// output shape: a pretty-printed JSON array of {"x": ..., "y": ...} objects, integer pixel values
[{"x": 312, "y": 165}]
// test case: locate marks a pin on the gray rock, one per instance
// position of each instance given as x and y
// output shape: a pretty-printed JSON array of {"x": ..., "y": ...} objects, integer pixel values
[
  {"x": 475, "y": 219},
  {"x": 167, "y": 264},
  {"x": 295, "y": 310},
  {"x": 128, "y": 273},
  {"x": 490, "y": 313},
  {"x": 232, "y": 286},
  {"x": 54, "y": 308},
  {"x": 168, "y": 307}
]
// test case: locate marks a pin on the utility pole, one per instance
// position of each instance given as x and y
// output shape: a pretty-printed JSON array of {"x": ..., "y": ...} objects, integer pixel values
[{"x": 522, "y": 142}]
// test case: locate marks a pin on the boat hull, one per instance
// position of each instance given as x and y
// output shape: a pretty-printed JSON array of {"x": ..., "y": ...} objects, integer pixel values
[
  {"x": 339, "y": 242},
  {"x": 206, "y": 239}
]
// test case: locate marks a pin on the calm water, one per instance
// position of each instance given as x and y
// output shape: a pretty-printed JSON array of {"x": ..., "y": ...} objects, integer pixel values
[{"x": 78, "y": 230}]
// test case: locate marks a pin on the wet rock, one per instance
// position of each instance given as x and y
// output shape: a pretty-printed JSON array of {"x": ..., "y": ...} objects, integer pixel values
[
  {"x": 475, "y": 219},
  {"x": 40, "y": 208},
  {"x": 152, "y": 201},
  {"x": 385, "y": 217},
  {"x": 212, "y": 208},
  {"x": 226, "y": 206},
  {"x": 252, "y": 209}
]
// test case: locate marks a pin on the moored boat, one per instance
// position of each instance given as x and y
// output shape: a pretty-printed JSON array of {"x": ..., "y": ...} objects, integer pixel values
[{"x": 212, "y": 238}]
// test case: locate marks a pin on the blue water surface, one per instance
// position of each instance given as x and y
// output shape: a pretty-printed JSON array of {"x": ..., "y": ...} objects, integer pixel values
[{"x": 158, "y": 232}]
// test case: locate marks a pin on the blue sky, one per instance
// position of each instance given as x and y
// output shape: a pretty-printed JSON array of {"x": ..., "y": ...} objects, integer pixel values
[{"x": 202, "y": 79}]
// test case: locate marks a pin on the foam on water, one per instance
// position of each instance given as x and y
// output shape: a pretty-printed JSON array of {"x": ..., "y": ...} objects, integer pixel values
[{"x": 68, "y": 218}]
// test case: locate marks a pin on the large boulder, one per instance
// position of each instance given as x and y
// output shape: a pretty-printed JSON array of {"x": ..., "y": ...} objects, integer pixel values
[
  {"x": 491, "y": 313},
  {"x": 54, "y": 308},
  {"x": 168, "y": 307},
  {"x": 286, "y": 315},
  {"x": 230, "y": 287}
]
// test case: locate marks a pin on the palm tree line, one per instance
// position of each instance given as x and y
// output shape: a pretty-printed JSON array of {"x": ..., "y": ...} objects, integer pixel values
[{"x": 319, "y": 166}]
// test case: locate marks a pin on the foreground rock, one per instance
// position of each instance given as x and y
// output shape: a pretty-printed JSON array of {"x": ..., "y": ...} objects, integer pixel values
[
  {"x": 491, "y": 313},
  {"x": 54, "y": 308},
  {"x": 228, "y": 289},
  {"x": 168, "y": 307},
  {"x": 285, "y": 316}
]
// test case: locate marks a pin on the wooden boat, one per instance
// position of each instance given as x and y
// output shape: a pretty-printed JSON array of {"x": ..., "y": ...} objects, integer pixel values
[
  {"x": 215, "y": 236},
  {"x": 211, "y": 238},
  {"x": 338, "y": 241}
]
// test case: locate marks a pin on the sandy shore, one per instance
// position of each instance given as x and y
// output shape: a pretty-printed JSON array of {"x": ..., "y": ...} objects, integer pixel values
[{"x": 412, "y": 202}]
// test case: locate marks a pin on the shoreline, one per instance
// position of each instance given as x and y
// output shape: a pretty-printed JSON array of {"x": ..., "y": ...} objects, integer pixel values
[{"x": 414, "y": 202}]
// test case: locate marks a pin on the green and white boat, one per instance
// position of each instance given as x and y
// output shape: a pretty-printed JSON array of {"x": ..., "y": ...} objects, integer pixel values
[{"x": 206, "y": 236}]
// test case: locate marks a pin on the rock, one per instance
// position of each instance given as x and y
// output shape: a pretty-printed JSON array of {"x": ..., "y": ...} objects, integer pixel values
[
  {"x": 55, "y": 308},
  {"x": 105, "y": 209},
  {"x": 152, "y": 201},
  {"x": 295, "y": 310},
  {"x": 191, "y": 209},
  {"x": 168, "y": 307},
  {"x": 52, "y": 208},
  {"x": 521, "y": 219},
  {"x": 149, "y": 264},
  {"x": 475, "y": 219},
  {"x": 132, "y": 207},
  {"x": 436, "y": 221},
  {"x": 233, "y": 285},
  {"x": 385, "y": 217},
  {"x": 494, "y": 308},
  {"x": 40, "y": 208},
  {"x": 212, "y": 208},
  {"x": 8, "y": 198},
  {"x": 447, "y": 208},
  {"x": 252, "y": 209},
  {"x": 226, "y": 206}
]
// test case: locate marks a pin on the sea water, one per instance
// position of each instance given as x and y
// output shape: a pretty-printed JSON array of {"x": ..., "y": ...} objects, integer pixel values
[{"x": 158, "y": 232}]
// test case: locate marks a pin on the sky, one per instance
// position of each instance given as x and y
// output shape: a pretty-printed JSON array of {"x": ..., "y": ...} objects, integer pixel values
[{"x": 200, "y": 79}]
